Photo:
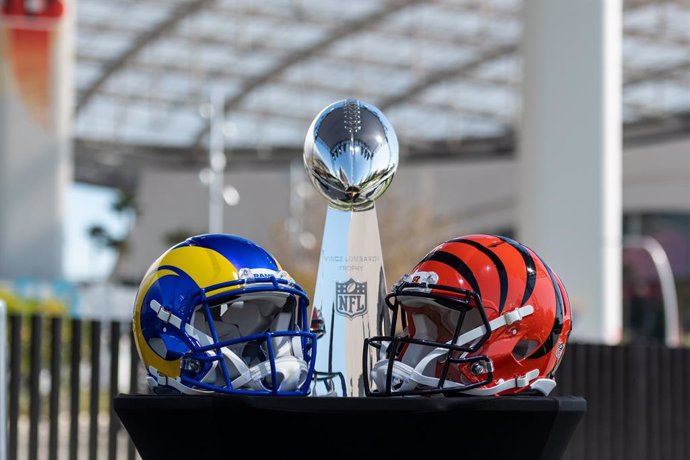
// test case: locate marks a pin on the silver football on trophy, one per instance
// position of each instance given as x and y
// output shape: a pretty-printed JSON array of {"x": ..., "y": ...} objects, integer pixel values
[{"x": 351, "y": 154}]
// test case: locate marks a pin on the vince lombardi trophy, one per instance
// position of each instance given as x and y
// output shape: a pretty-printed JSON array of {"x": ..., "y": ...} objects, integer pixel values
[{"x": 351, "y": 156}]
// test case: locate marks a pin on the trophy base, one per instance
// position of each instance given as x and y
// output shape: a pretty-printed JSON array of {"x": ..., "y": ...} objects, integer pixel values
[{"x": 507, "y": 427}]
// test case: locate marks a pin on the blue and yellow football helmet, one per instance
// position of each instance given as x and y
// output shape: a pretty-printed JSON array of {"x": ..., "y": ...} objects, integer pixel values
[{"x": 217, "y": 313}]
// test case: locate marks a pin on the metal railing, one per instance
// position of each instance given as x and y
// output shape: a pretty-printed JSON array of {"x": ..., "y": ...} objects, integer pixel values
[
  {"x": 64, "y": 373},
  {"x": 638, "y": 407}
]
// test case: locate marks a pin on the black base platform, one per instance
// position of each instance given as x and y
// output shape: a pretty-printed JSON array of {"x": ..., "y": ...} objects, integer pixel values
[{"x": 219, "y": 427}]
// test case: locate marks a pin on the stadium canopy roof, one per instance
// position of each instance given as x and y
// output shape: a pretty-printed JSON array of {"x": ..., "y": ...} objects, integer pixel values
[{"x": 447, "y": 73}]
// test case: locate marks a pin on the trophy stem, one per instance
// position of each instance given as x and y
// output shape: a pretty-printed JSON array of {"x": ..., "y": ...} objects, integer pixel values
[{"x": 350, "y": 291}]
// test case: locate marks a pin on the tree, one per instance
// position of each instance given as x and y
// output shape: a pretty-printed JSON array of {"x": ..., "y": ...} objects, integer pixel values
[{"x": 126, "y": 207}]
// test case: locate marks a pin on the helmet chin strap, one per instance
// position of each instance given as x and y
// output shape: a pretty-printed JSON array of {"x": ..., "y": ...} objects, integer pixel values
[
  {"x": 290, "y": 370},
  {"x": 406, "y": 377},
  {"x": 544, "y": 386}
]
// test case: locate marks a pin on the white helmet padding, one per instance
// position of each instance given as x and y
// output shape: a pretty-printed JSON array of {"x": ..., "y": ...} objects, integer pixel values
[{"x": 247, "y": 362}]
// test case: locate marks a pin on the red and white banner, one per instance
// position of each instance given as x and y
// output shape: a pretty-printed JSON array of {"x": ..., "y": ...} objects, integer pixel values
[{"x": 36, "y": 100}]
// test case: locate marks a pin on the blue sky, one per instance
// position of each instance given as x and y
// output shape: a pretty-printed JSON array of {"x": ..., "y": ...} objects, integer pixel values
[{"x": 89, "y": 205}]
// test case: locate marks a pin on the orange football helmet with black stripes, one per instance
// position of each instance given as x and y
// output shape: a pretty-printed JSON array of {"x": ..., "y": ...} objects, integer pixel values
[{"x": 480, "y": 315}]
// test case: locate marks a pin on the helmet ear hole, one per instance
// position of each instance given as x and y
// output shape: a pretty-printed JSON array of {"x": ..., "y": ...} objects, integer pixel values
[
  {"x": 158, "y": 346},
  {"x": 524, "y": 348},
  {"x": 168, "y": 347}
]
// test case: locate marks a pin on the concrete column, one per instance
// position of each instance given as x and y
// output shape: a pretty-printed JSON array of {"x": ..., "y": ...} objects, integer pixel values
[
  {"x": 36, "y": 98},
  {"x": 569, "y": 207}
]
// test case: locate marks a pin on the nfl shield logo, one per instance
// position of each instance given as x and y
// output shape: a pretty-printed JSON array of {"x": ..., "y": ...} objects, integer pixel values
[{"x": 351, "y": 298}]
